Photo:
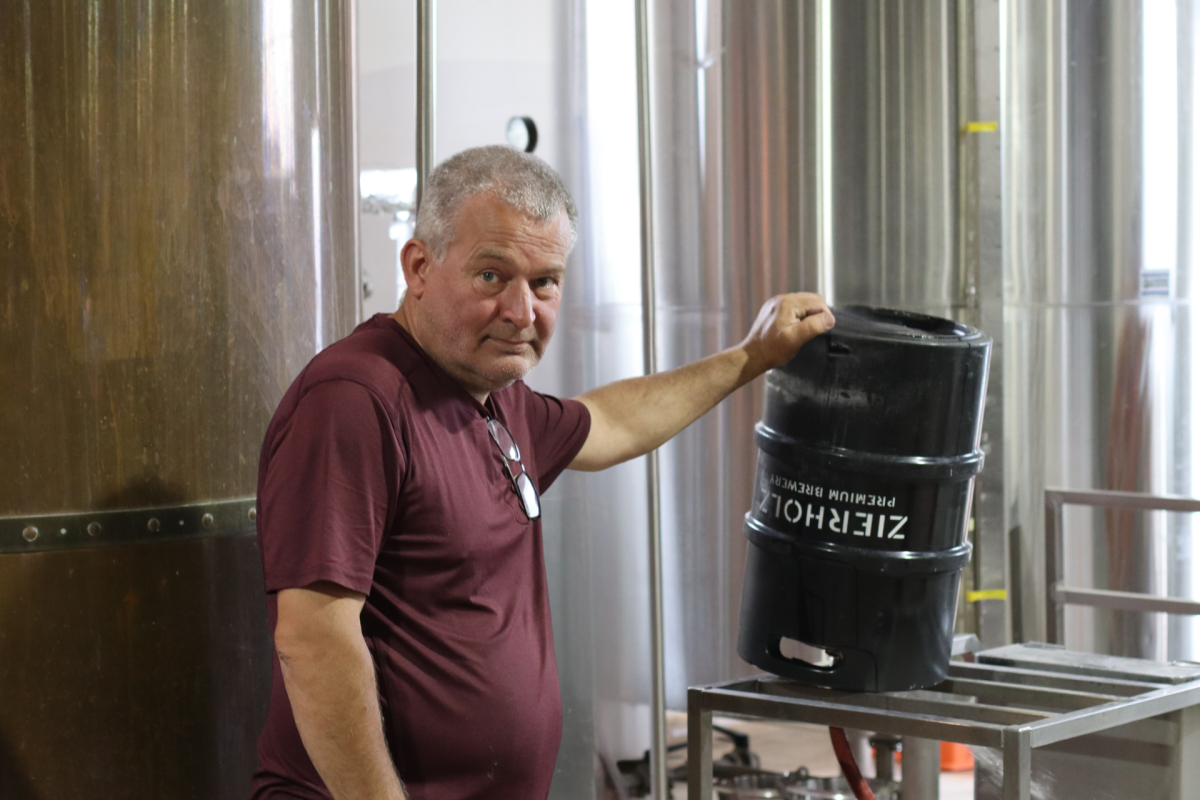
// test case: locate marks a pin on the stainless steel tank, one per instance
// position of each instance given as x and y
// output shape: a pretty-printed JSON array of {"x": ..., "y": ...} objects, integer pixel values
[
  {"x": 851, "y": 170},
  {"x": 176, "y": 241},
  {"x": 842, "y": 150},
  {"x": 1102, "y": 173},
  {"x": 862, "y": 161}
]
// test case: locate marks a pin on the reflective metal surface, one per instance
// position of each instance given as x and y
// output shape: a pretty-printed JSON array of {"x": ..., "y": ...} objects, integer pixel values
[
  {"x": 850, "y": 169},
  {"x": 700, "y": 311},
  {"x": 596, "y": 523},
  {"x": 133, "y": 672},
  {"x": 761, "y": 107},
  {"x": 596, "y": 556},
  {"x": 981, "y": 268},
  {"x": 1101, "y": 336},
  {"x": 894, "y": 150},
  {"x": 643, "y": 37},
  {"x": 426, "y": 135},
  {"x": 769, "y": 170},
  {"x": 176, "y": 241},
  {"x": 737, "y": 151}
]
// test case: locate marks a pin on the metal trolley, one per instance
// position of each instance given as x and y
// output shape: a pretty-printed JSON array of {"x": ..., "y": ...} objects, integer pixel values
[{"x": 1017, "y": 699}]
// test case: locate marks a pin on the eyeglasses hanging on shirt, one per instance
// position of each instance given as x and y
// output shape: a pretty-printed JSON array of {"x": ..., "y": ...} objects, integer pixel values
[{"x": 522, "y": 483}]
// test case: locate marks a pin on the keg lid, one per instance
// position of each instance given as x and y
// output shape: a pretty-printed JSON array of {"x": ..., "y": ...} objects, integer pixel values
[
  {"x": 887, "y": 323},
  {"x": 885, "y": 382}
]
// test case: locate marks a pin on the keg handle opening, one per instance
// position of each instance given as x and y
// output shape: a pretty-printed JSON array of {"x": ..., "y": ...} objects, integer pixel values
[{"x": 807, "y": 654}]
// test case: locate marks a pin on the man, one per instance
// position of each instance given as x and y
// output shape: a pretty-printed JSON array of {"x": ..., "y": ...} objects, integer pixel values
[{"x": 398, "y": 503}]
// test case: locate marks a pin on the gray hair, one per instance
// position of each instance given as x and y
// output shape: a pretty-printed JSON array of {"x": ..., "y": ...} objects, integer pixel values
[{"x": 522, "y": 180}]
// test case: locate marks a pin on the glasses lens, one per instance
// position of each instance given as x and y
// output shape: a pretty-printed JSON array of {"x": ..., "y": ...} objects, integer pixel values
[
  {"x": 529, "y": 496},
  {"x": 503, "y": 438}
]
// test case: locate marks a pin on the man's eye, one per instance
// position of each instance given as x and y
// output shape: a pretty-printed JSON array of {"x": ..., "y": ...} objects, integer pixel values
[
  {"x": 544, "y": 283},
  {"x": 489, "y": 276}
]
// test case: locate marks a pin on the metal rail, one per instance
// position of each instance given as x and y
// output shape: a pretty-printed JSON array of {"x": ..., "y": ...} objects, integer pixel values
[
  {"x": 658, "y": 712},
  {"x": 426, "y": 92},
  {"x": 1058, "y": 595},
  {"x": 1019, "y": 698}
]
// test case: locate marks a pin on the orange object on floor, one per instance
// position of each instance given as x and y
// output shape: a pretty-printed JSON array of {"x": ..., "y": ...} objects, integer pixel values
[{"x": 956, "y": 757}]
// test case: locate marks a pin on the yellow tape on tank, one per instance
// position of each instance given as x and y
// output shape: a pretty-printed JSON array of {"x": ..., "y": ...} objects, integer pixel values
[
  {"x": 980, "y": 127},
  {"x": 987, "y": 594}
]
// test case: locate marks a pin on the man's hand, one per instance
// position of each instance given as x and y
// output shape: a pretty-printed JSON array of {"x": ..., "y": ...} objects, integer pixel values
[
  {"x": 632, "y": 417},
  {"x": 784, "y": 325},
  {"x": 330, "y": 681}
]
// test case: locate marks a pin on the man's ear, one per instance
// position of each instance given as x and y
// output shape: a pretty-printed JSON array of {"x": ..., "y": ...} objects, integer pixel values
[{"x": 417, "y": 260}]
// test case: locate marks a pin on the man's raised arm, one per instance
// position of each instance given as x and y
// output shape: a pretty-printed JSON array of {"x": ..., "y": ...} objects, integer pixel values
[
  {"x": 330, "y": 681},
  {"x": 632, "y": 417}
]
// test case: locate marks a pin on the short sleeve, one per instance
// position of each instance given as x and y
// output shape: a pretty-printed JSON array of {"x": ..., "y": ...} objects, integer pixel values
[
  {"x": 558, "y": 429},
  {"x": 324, "y": 503}
]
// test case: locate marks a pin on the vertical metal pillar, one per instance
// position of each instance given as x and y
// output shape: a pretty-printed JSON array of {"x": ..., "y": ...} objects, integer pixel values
[
  {"x": 1055, "y": 614},
  {"x": 1017, "y": 757},
  {"x": 658, "y": 742},
  {"x": 921, "y": 768},
  {"x": 1185, "y": 768},
  {"x": 981, "y": 262},
  {"x": 824, "y": 38},
  {"x": 700, "y": 774},
  {"x": 426, "y": 91},
  {"x": 352, "y": 94}
]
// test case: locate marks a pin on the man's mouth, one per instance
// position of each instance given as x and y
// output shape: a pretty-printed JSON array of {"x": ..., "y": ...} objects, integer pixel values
[{"x": 511, "y": 342}]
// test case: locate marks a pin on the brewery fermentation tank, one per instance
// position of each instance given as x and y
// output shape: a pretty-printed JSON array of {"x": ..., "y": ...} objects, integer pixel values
[
  {"x": 849, "y": 169},
  {"x": 176, "y": 241},
  {"x": 1100, "y": 218}
]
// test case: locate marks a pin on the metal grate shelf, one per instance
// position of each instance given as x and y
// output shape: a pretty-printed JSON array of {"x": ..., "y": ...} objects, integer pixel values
[{"x": 1015, "y": 698}]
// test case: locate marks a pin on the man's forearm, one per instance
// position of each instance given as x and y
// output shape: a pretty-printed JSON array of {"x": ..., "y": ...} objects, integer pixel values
[
  {"x": 330, "y": 681},
  {"x": 633, "y": 417},
  {"x": 641, "y": 414}
]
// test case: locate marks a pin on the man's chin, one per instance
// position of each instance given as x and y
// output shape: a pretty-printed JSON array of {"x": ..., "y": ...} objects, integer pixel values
[{"x": 497, "y": 376}]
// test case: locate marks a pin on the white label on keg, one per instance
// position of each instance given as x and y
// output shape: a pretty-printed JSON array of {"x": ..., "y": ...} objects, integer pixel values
[
  {"x": 792, "y": 503},
  {"x": 835, "y": 495},
  {"x": 796, "y": 487}
]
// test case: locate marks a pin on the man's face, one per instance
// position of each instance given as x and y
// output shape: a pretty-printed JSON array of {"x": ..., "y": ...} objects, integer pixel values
[{"x": 487, "y": 310}]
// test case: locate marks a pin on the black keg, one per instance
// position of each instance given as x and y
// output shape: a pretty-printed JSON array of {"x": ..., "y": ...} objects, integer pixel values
[{"x": 868, "y": 448}]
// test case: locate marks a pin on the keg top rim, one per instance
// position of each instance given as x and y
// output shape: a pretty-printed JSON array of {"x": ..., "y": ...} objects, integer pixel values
[{"x": 890, "y": 323}]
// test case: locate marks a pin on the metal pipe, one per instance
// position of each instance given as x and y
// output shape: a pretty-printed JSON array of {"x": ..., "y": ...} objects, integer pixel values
[
  {"x": 351, "y": 90},
  {"x": 426, "y": 91},
  {"x": 825, "y": 284},
  {"x": 658, "y": 742}
]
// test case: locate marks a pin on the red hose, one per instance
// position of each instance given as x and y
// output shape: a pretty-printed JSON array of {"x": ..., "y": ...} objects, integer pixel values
[{"x": 845, "y": 757}]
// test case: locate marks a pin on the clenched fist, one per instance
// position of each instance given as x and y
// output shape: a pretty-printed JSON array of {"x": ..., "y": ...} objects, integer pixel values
[{"x": 785, "y": 323}]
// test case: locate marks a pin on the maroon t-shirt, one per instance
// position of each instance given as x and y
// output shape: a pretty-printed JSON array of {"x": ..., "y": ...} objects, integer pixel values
[{"x": 378, "y": 473}]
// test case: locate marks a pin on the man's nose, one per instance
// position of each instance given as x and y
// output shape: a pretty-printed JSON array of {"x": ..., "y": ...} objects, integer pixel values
[{"x": 517, "y": 304}]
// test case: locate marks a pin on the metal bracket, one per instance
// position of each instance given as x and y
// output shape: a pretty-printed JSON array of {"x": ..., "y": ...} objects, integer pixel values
[{"x": 41, "y": 532}]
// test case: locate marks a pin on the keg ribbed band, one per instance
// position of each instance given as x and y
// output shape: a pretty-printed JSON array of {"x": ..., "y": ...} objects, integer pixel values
[
  {"x": 886, "y": 562},
  {"x": 900, "y": 468}
]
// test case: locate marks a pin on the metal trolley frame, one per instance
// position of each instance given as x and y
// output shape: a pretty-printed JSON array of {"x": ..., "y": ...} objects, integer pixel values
[
  {"x": 1058, "y": 594},
  {"x": 1015, "y": 698}
]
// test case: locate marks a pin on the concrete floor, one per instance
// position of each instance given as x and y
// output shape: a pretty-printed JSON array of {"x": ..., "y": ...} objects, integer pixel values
[{"x": 785, "y": 746}]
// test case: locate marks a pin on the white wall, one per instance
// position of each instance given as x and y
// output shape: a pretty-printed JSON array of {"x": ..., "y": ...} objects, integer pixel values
[{"x": 494, "y": 61}]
